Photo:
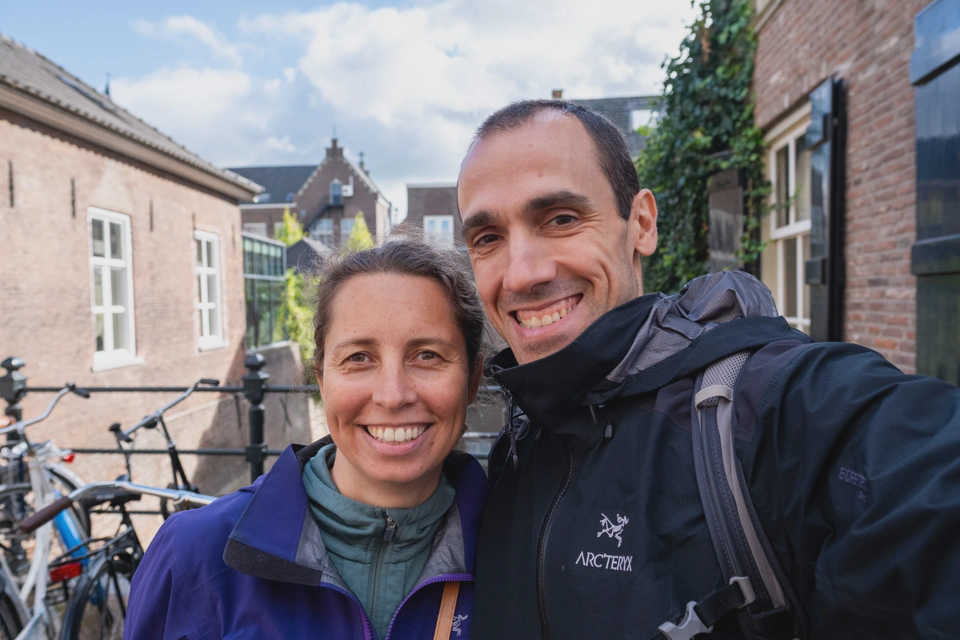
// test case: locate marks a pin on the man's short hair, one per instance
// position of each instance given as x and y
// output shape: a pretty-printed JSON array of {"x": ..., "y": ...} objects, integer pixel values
[{"x": 611, "y": 146}]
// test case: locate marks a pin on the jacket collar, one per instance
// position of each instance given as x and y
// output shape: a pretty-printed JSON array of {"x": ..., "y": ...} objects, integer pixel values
[{"x": 277, "y": 538}]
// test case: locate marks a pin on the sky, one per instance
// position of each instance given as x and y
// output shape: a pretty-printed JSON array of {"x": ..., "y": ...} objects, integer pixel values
[{"x": 250, "y": 82}]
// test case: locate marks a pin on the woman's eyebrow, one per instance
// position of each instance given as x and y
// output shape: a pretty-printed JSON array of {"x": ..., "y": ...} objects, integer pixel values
[
  {"x": 424, "y": 342},
  {"x": 355, "y": 342}
]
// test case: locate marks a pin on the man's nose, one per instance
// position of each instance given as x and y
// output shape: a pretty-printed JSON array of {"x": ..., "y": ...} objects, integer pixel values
[
  {"x": 529, "y": 265},
  {"x": 394, "y": 389}
]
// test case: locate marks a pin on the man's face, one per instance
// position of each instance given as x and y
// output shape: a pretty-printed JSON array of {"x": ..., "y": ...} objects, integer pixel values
[{"x": 550, "y": 252}]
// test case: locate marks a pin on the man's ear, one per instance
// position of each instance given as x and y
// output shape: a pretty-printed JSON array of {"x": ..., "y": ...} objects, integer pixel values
[
  {"x": 643, "y": 216},
  {"x": 475, "y": 376}
]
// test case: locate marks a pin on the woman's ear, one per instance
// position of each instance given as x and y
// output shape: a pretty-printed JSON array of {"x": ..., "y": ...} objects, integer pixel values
[
  {"x": 318, "y": 370},
  {"x": 475, "y": 376}
]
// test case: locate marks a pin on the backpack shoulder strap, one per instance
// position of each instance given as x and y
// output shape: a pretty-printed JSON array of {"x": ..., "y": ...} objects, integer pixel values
[{"x": 756, "y": 587}]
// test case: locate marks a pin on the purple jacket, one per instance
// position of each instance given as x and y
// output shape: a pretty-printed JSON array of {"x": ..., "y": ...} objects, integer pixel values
[{"x": 253, "y": 565}]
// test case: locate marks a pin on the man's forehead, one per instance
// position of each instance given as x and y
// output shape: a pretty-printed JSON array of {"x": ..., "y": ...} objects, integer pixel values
[{"x": 561, "y": 129}]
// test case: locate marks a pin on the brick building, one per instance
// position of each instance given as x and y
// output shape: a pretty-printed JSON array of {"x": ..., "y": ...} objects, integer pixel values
[
  {"x": 433, "y": 211},
  {"x": 326, "y": 198},
  {"x": 122, "y": 266},
  {"x": 836, "y": 99}
]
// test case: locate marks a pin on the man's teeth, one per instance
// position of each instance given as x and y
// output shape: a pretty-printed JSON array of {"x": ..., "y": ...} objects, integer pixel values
[
  {"x": 545, "y": 320},
  {"x": 398, "y": 434}
]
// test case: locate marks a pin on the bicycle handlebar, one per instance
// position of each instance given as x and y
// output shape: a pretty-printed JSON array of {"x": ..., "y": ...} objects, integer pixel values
[
  {"x": 48, "y": 513},
  {"x": 23, "y": 424},
  {"x": 150, "y": 421}
]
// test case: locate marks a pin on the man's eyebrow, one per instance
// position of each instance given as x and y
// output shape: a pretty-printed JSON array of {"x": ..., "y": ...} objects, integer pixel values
[
  {"x": 476, "y": 221},
  {"x": 562, "y": 198}
]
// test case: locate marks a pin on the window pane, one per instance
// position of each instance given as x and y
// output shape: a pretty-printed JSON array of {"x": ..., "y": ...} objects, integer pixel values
[
  {"x": 116, "y": 250},
  {"x": 98, "y": 330},
  {"x": 806, "y": 288},
  {"x": 97, "y": 286},
  {"x": 790, "y": 277},
  {"x": 200, "y": 252},
  {"x": 211, "y": 288},
  {"x": 119, "y": 331},
  {"x": 784, "y": 188},
  {"x": 264, "y": 327},
  {"x": 98, "y": 245},
  {"x": 117, "y": 288},
  {"x": 251, "y": 300},
  {"x": 200, "y": 297},
  {"x": 209, "y": 246},
  {"x": 803, "y": 179},
  {"x": 214, "y": 322}
]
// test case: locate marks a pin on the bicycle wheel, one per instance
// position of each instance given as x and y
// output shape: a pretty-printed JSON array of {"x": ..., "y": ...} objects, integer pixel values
[
  {"x": 9, "y": 621},
  {"x": 98, "y": 605}
]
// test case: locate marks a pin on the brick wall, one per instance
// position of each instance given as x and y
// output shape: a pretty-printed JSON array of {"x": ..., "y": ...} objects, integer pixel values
[
  {"x": 45, "y": 290},
  {"x": 868, "y": 44},
  {"x": 433, "y": 200}
]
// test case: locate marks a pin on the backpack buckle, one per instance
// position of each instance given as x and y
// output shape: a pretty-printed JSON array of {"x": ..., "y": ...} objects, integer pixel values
[{"x": 689, "y": 627}]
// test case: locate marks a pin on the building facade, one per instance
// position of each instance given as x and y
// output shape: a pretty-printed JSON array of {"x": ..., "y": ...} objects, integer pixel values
[
  {"x": 326, "y": 198},
  {"x": 432, "y": 210},
  {"x": 838, "y": 104},
  {"x": 122, "y": 266}
]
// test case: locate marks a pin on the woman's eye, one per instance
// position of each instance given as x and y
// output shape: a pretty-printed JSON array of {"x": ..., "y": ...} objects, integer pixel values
[
  {"x": 357, "y": 357},
  {"x": 427, "y": 355}
]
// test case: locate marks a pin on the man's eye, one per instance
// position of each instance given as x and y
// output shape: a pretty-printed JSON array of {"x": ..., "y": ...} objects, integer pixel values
[
  {"x": 485, "y": 239},
  {"x": 562, "y": 220}
]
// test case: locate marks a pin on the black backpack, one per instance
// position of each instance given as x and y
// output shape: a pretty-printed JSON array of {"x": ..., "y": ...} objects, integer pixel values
[{"x": 757, "y": 588}]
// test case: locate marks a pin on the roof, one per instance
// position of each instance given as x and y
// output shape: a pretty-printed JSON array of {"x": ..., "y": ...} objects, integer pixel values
[
  {"x": 280, "y": 184},
  {"x": 29, "y": 82},
  {"x": 619, "y": 112}
]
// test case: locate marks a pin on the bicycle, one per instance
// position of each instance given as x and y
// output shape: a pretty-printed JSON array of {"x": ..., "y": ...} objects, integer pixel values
[
  {"x": 26, "y": 611},
  {"x": 98, "y": 605},
  {"x": 180, "y": 479}
]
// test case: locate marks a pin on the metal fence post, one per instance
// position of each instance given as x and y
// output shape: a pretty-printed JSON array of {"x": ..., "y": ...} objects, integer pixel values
[
  {"x": 253, "y": 389},
  {"x": 13, "y": 386}
]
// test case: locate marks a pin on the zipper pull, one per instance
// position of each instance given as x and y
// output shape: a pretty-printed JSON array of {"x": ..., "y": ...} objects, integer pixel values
[{"x": 391, "y": 529}]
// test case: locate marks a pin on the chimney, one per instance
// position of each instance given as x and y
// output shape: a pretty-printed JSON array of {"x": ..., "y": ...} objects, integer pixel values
[
  {"x": 558, "y": 94},
  {"x": 334, "y": 151},
  {"x": 362, "y": 168}
]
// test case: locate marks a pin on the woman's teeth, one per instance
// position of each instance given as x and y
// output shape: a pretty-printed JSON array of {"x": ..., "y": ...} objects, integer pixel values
[
  {"x": 545, "y": 320},
  {"x": 398, "y": 434}
]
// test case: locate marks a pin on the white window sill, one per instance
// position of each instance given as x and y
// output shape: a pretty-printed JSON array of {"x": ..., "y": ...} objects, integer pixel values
[
  {"x": 117, "y": 363},
  {"x": 213, "y": 344}
]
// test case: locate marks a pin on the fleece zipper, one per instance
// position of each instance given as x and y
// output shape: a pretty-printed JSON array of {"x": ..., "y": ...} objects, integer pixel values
[
  {"x": 373, "y": 591},
  {"x": 542, "y": 544}
]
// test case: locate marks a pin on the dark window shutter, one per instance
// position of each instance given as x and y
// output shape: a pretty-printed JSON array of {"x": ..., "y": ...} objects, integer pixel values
[{"x": 824, "y": 270}]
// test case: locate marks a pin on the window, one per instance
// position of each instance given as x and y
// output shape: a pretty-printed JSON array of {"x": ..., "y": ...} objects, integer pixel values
[
  {"x": 336, "y": 192},
  {"x": 322, "y": 231},
  {"x": 787, "y": 230},
  {"x": 346, "y": 228},
  {"x": 209, "y": 303},
  {"x": 259, "y": 228},
  {"x": 111, "y": 280},
  {"x": 264, "y": 267},
  {"x": 438, "y": 229},
  {"x": 277, "y": 227}
]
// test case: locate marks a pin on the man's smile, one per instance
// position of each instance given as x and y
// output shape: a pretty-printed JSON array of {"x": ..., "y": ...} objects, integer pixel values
[{"x": 546, "y": 315}]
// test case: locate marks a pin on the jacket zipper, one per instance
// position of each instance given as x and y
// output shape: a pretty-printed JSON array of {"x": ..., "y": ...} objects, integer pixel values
[
  {"x": 374, "y": 588},
  {"x": 451, "y": 577},
  {"x": 542, "y": 544}
]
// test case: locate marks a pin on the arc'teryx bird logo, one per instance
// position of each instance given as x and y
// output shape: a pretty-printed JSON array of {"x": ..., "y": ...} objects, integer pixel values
[
  {"x": 613, "y": 530},
  {"x": 456, "y": 624}
]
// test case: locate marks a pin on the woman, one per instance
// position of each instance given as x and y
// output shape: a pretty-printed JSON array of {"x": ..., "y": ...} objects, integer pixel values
[{"x": 369, "y": 533}]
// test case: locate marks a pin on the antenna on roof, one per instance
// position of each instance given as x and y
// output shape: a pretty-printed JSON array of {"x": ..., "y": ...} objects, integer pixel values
[{"x": 106, "y": 88}]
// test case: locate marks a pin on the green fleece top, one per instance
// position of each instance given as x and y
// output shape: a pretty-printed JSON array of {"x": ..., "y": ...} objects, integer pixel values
[{"x": 379, "y": 553}]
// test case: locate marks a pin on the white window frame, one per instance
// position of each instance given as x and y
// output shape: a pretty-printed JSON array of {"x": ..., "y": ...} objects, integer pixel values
[
  {"x": 207, "y": 340},
  {"x": 785, "y": 135},
  {"x": 111, "y": 358},
  {"x": 435, "y": 236},
  {"x": 327, "y": 239}
]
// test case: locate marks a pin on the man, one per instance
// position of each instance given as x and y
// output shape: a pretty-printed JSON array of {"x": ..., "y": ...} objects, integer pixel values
[{"x": 595, "y": 527}]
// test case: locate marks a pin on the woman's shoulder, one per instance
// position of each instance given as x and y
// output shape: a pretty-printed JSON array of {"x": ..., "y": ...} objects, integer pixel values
[{"x": 194, "y": 539}]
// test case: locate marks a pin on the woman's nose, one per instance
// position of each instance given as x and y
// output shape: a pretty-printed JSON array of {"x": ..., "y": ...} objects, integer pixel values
[{"x": 394, "y": 389}]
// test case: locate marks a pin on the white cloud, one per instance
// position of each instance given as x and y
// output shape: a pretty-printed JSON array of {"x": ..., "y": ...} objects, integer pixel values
[{"x": 179, "y": 27}]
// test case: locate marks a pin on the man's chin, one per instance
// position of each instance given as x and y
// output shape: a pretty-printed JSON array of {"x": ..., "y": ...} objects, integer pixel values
[{"x": 528, "y": 350}]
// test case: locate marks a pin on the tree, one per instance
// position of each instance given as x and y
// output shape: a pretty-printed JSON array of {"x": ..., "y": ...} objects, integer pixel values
[
  {"x": 295, "y": 318},
  {"x": 291, "y": 232},
  {"x": 706, "y": 126},
  {"x": 360, "y": 237}
]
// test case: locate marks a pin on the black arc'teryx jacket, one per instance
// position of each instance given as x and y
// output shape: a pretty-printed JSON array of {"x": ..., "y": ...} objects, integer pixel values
[{"x": 853, "y": 467}]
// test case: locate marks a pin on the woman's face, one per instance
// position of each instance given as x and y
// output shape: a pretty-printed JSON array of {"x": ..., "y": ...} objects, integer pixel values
[{"x": 395, "y": 384}]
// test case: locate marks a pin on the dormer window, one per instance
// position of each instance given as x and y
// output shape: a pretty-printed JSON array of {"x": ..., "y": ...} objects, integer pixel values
[{"x": 336, "y": 192}]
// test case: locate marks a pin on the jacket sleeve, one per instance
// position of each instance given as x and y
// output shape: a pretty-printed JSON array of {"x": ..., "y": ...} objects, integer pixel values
[
  {"x": 859, "y": 465},
  {"x": 159, "y": 606}
]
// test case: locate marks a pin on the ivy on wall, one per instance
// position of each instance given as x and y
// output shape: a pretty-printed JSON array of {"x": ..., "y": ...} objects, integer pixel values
[{"x": 706, "y": 126}]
